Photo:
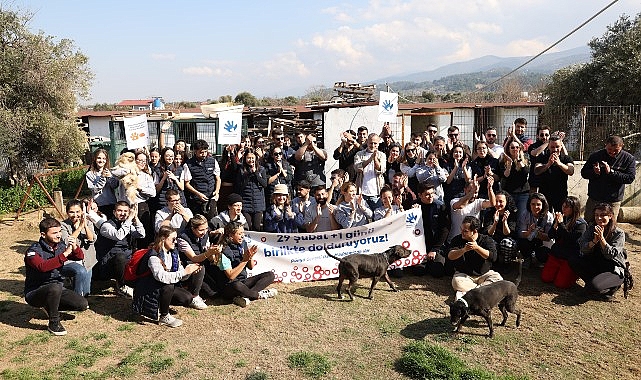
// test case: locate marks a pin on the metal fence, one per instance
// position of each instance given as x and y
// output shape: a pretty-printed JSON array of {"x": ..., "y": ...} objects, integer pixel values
[{"x": 588, "y": 127}]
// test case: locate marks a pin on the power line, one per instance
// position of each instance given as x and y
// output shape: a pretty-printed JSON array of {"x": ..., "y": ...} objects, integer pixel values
[{"x": 548, "y": 48}]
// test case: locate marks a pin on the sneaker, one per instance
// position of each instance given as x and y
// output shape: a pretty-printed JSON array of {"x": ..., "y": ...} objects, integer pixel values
[
  {"x": 241, "y": 301},
  {"x": 267, "y": 293},
  {"x": 125, "y": 291},
  {"x": 56, "y": 329},
  {"x": 198, "y": 303},
  {"x": 169, "y": 321}
]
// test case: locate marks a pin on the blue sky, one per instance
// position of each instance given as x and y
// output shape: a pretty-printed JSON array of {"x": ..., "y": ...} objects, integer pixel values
[{"x": 198, "y": 50}]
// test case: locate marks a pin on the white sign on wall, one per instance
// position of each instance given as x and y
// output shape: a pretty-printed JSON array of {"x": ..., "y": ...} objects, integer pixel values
[
  {"x": 136, "y": 132},
  {"x": 229, "y": 127},
  {"x": 387, "y": 106}
]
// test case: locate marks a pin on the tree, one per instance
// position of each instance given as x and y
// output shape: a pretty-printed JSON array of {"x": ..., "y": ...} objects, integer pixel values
[
  {"x": 612, "y": 77},
  {"x": 246, "y": 99},
  {"x": 40, "y": 81},
  {"x": 225, "y": 99}
]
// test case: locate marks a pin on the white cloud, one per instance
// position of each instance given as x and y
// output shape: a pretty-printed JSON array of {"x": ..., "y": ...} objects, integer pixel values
[
  {"x": 163, "y": 56},
  {"x": 485, "y": 27},
  {"x": 339, "y": 15},
  {"x": 286, "y": 64},
  {"x": 341, "y": 45},
  {"x": 206, "y": 71},
  {"x": 524, "y": 48}
]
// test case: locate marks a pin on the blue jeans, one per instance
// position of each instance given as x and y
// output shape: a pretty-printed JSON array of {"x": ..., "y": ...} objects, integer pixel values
[
  {"x": 520, "y": 200},
  {"x": 81, "y": 277},
  {"x": 373, "y": 201}
]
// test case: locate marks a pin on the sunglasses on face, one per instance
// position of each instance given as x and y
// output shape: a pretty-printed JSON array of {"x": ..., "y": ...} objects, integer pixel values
[
  {"x": 491, "y": 134},
  {"x": 277, "y": 153},
  {"x": 453, "y": 134},
  {"x": 432, "y": 130},
  {"x": 544, "y": 135}
]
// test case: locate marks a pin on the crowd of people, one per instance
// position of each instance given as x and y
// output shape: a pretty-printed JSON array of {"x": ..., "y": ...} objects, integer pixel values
[{"x": 190, "y": 211}]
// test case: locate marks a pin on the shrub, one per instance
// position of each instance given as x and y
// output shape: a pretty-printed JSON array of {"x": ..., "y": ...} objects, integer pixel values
[
  {"x": 311, "y": 364},
  {"x": 425, "y": 361},
  {"x": 68, "y": 183}
]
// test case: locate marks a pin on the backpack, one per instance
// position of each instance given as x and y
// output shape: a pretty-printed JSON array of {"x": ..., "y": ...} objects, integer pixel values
[{"x": 134, "y": 270}]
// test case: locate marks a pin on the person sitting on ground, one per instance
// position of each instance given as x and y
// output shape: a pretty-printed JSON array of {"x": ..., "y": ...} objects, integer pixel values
[
  {"x": 602, "y": 262},
  {"x": 194, "y": 246},
  {"x": 472, "y": 254},
  {"x": 534, "y": 227},
  {"x": 155, "y": 293},
  {"x": 113, "y": 246},
  {"x": 389, "y": 208},
  {"x": 568, "y": 227},
  {"x": 500, "y": 223},
  {"x": 436, "y": 226},
  {"x": 236, "y": 258},
  {"x": 78, "y": 226},
  {"x": 280, "y": 217},
  {"x": 234, "y": 213},
  {"x": 174, "y": 214},
  {"x": 353, "y": 211},
  {"x": 43, "y": 285}
]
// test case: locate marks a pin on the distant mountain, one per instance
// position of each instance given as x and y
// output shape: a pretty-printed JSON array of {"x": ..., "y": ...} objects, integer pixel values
[{"x": 545, "y": 64}]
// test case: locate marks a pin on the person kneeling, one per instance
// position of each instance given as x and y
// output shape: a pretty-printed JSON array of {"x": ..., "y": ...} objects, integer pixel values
[
  {"x": 472, "y": 254},
  {"x": 233, "y": 263},
  {"x": 153, "y": 294},
  {"x": 43, "y": 280}
]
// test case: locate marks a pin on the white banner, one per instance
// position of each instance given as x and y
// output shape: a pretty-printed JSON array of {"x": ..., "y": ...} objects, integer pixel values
[
  {"x": 229, "y": 127},
  {"x": 387, "y": 106},
  {"x": 301, "y": 256},
  {"x": 136, "y": 132}
]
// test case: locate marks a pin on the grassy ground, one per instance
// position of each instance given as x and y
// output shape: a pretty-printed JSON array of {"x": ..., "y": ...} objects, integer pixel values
[{"x": 307, "y": 333}]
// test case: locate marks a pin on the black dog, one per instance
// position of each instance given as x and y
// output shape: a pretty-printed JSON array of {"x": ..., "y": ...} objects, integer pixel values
[
  {"x": 359, "y": 265},
  {"x": 481, "y": 301}
]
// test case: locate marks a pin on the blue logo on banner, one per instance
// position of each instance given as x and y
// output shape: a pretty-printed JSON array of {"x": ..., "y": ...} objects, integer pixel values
[
  {"x": 230, "y": 126},
  {"x": 387, "y": 105},
  {"x": 411, "y": 218}
]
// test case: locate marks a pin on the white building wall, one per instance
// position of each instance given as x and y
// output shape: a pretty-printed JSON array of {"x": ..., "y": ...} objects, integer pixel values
[
  {"x": 338, "y": 120},
  {"x": 98, "y": 126}
]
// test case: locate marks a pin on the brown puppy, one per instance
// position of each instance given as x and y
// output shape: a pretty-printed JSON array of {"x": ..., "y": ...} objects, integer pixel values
[
  {"x": 481, "y": 301},
  {"x": 360, "y": 265}
]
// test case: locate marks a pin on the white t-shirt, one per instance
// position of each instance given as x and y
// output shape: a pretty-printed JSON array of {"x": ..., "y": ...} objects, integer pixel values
[
  {"x": 471, "y": 209},
  {"x": 369, "y": 186}
]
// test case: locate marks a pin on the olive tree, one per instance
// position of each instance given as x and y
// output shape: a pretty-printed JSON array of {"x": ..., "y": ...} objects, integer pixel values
[
  {"x": 40, "y": 82},
  {"x": 611, "y": 77}
]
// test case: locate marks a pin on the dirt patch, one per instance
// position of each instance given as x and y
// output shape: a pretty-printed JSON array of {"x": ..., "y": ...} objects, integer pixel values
[{"x": 561, "y": 336}]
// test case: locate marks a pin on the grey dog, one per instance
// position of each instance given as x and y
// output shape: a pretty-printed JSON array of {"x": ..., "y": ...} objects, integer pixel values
[
  {"x": 360, "y": 265},
  {"x": 481, "y": 301}
]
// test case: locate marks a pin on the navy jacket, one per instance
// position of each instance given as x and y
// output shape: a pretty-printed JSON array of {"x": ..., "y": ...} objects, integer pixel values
[{"x": 42, "y": 264}]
